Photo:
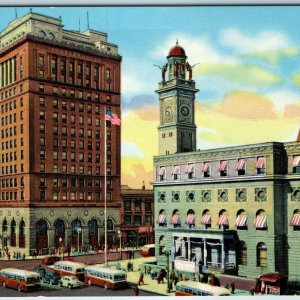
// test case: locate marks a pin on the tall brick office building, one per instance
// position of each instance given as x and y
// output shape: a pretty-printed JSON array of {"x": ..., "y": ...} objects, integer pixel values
[{"x": 55, "y": 86}]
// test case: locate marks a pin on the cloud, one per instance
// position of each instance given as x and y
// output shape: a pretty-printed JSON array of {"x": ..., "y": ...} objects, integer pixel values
[
  {"x": 198, "y": 49},
  {"x": 131, "y": 149},
  {"x": 292, "y": 111},
  {"x": 140, "y": 101},
  {"x": 272, "y": 57},
  {"x": 262, "y": 41},
  {"x": 296, "y": 79},
  {"x": 244, "y": 74},
  {"x": 283, "y": 98}
]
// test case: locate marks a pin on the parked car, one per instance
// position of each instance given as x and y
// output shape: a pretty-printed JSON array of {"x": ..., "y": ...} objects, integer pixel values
[
  {"x": 51, "y": 278},
  {"x": 50, "y": 260},
  {"x": 70, "y": 282},
  {"x": 41, "y": 270}
]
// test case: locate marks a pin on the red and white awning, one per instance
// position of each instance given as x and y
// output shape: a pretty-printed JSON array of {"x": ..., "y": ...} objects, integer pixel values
[
  {"x": 260, "y": 164},
  {"x": 190, "y": 168},
  {"x": 175, "y": 219},
  {"x": 161, "y": 219},
  {"x": 162, "y": 171},
  {"x": 295, "y": 220},
  {"x": 296, "y": 161},
  {"x": 206, "y": 220},
  {"x": 260, "y": 222},
  {"x": 240, "y": 164},
  {"x": 241, "y": 221},
  {"x": 223, "y": 220},
  {"x": 223, "y": 165},
  {"x": 190, "y": 219},
  {"x": 176, "y": 170},
  {"x": 205, "y": 167}
]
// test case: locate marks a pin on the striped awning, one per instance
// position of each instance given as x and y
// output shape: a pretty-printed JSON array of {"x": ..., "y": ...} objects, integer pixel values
[
  {"x": 205, "y": 167},
  {"x": 240, "y": 165},
  {"x": 190, "y": 168},
  {"x": 206, "y": 220},
  {"x": 190, "y": 219},
  {"x": 241, "y": 221},
  {"x": 295, "y": 220},
  {"x": 175, "y": 219},
  {"x": 162, "y": 171},
  {"x": 260, "y": 222},
  {"x": 161, "y": 219},
  {"x": 260, "y": 164},
  {"x": 176, "y": 170},
  {"x": 223, "y": 165},
  {"x": 223, "y": 220},
  {"x": 296, "y": 161}
]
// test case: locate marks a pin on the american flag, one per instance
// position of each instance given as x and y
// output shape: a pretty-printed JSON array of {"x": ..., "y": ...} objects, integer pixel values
[{"x": 113, "y": 118}]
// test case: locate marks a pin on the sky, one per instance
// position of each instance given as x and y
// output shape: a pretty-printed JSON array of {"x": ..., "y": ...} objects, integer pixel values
[{"x": 248, "y": 72}]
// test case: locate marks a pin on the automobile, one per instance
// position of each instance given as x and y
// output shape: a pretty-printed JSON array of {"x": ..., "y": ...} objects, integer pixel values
[
  {"x": 70, "y": 282},
  {"x": 50, "y": 260},
  {"x": 51, "y": 278},
  {"x": 41, "y": 270}
]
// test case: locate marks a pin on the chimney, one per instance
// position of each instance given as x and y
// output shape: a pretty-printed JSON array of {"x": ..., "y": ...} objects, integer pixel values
[
  {"x": 143, "y": 186},
  {"x": 298, "y": 137}
]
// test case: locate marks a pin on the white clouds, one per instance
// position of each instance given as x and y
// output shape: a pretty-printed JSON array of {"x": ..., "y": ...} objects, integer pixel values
[
  {"x": 198, "y": 49},
  {"x": 131, "y": 149},
  {"x": 282, "y": 98},
  {"x": 264, "y": 41}
]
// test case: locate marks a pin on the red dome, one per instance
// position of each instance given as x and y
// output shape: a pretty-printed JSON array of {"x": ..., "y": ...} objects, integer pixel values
[{"x": 177, "y": 50}]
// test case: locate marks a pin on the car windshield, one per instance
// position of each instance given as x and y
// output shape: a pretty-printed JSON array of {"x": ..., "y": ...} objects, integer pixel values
[
  {"x": 80, "y": 270},
  {"x": 33, "y": 279}
]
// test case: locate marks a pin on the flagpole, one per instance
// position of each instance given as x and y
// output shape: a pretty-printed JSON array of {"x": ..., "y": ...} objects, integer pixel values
[{"x": 105, "y": 195}]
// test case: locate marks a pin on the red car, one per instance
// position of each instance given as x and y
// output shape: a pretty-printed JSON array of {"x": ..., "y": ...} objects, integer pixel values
[{"x": 50, "y": 260}]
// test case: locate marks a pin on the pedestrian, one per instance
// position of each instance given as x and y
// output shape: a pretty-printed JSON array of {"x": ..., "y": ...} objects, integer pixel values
[
  {"x": 8, "y": 255},
  {"x": 175, "y": 279},
  {"x": 232, "y": 287},
  {"x": 23, "y": 256},
  {"x": 252, "y": 291},
  {"x": 136, "y": 290},
  {"x": 141, "y": 279}
]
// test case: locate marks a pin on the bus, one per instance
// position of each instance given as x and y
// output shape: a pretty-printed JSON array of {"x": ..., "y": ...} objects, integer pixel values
[
  {"x": 109, "y": 278},
  {"x": 21, "y": 280},
  {"x": 148, "y": 250},
  {"x": 193, "y": 288},
  {"x": 70, "y": 268}
]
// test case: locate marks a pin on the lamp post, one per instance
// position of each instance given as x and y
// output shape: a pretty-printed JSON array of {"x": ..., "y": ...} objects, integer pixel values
[
  {"x": 78, "y": 236},
  {"x": 167, "y": 254},
  {"x": 120, "y": 236},
  {"x": 61, "y": 247}
]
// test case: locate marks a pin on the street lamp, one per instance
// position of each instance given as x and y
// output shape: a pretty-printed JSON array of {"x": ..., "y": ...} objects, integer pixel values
[
  {"x": 78, "y": 235},
  {"x": 120, "y": 236},
  {"x": 167, "y": 254}
]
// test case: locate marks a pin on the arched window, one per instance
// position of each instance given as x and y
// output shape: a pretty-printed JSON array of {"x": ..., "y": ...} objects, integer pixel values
[
  {"x": 13, "y": 241},
  {"x": 110, "y": 225},
  {"x": 242, "y": 253},
  {"x": 241, "y": 220},
  {"x": 41, "y": 235},
  {"x": 261, "y": 220},
  {"x": 162, "y": 245},
  {"x": 175, "y": 220},
  {"x": 223, "y": 219},
  {"x": 76, "y": 227},
  {"x": 93, "y": 232},
  {"x": 295, "y": 220},
  {"x": 206, "y": 219},
  {"x": 42, "y": 34},
  {"x": 60, "y": 229},
  {"x": 161, "y": 219},
  {"x": 4, "y": 226},
  {"x": 22, "y": 234},
  {"x": 190, "y": 218},
  {"x": 77, "y": 234},
  {"x": 261, "y": 255}
]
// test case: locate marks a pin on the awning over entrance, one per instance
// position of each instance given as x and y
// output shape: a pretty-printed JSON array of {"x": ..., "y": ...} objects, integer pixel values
[{"x": 272, "y": 277}]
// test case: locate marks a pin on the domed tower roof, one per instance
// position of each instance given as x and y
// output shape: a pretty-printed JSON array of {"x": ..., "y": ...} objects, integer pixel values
[{"x": 177, "y": 50}]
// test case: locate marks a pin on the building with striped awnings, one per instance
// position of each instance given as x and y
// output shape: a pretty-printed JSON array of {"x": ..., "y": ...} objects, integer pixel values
[{"x": 245, "y": 198}]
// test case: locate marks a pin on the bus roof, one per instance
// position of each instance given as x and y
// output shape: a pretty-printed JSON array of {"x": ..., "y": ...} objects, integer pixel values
[
  {"x": 70, "y": 263},
  {"x": 149, "y": 246},
  {"x": 216, "y": 290},
  {"x": 20, "y": 272},
  {"x": 106, "y": 270}
]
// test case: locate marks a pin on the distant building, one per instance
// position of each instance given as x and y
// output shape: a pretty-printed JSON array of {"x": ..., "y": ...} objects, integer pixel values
[
  {"x": 233, "y": 210},
  {"x": 55, "y": 86},
  {"x": 137, "y": 216}
]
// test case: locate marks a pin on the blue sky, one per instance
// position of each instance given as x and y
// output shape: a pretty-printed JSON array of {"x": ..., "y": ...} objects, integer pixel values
[{"x": 248, "y": 76}]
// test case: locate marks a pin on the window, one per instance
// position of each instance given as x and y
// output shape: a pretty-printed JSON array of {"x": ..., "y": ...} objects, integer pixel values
[
  {"x": 41, "y": 88},
  {"x": 42, "y": 102},
  {"x": 42, "y": 154},
  {"x": 206, "y": 169},
  {"x": 242, "y": 253},
  {"x": 127, "y": 206},
  {"x": 295, "y": 220},
  {"x": 148, "y": 206},
  {"x": 296, "y": 164},
  {"x": 161, "y": 197},
  {"x": 176, "y": 172},
  {"x": 42, "y": 128},
  {"x": 161, "y": 173},
  {"x": 127, "y": 220},
  {"x": 175, "y": 196},
  {"x": 260, "y": 166},
  {"x": 138, "y": 206},
  {"x": 42, "y": 141},
  {"x": 240, "y": 167},
  {"x": 261, "y": 255},
  {"x": 223, "y": 167},
  {"x": 137, "y": 220},
  {"x": 42, "y": 167},
  {"x": 190, "y": 171}
]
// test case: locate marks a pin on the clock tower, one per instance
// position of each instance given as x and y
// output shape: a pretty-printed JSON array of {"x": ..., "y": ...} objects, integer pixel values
[{"x": 177, "y": 129}]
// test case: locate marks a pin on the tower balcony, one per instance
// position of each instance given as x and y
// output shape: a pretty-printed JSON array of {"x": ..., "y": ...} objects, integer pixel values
[{"x": 178, "y": 82}]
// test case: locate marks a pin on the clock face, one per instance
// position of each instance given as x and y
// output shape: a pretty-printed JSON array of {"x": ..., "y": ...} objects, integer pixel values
[{"x": 184, "y": 110}]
